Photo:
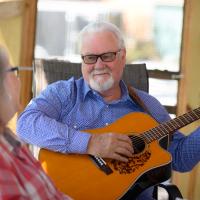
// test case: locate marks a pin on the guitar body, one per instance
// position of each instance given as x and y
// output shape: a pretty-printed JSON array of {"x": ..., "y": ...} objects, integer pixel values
[{"x": 79, "y": 177}]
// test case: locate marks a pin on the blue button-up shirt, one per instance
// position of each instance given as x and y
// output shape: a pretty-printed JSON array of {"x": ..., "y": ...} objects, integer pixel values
[{"x": 56, "y": 118}]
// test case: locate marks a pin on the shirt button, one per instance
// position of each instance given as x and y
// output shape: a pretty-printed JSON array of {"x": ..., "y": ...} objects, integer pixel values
[
  {"x": 106, "y": 124},
  {"x": 107, "y": 106},
  {"x": 75, "y": 126}
]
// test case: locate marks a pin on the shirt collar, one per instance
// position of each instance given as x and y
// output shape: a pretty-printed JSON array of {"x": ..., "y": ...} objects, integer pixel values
[
  {"x": 124, "y": 89},
  {"x": 125, "y": 95},
  {"x": 86, "y": 89}
]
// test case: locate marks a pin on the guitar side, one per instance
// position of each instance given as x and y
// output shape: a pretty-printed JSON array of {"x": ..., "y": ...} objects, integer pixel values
[{"x": 79, "y": 177}]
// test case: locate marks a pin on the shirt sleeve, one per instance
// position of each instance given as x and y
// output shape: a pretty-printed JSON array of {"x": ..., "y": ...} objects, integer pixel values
[
  {"x": 40, "y": 123},
  {"x": 185, "y": 150}
]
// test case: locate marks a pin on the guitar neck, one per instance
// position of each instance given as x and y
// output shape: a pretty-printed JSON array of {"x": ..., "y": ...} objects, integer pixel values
[{"x": 171, "y": 126}]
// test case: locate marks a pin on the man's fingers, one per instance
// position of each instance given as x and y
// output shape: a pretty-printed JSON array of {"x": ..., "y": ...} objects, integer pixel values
[
  {"x": 124, "y": 138},
  {"x": 119, "y": 157},
  {"x": 125, "y": 144},
  {"x": 124, "y": 152}
]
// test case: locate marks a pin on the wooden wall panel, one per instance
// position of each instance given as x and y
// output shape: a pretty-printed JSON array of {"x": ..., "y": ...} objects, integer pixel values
[{"x": 27, "y": 49}]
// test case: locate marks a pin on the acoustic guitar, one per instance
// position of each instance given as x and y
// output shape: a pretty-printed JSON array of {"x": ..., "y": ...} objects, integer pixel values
[{"x": 86, "y": 177}]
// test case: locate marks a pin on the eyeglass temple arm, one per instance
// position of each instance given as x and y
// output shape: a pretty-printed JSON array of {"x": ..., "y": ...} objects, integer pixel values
[{"x": 26, "y": 68}]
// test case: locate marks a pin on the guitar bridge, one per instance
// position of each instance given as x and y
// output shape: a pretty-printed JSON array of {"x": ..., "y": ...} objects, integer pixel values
[{"x": 100, "y": 162}]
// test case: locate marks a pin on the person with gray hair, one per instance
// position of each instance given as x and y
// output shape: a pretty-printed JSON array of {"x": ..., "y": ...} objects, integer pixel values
[
  {"x": 21, "y": 176},
  {"x": 58, "y": 119}
]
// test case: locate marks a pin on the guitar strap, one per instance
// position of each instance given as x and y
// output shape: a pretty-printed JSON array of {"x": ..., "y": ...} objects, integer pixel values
[{"x": 137, "y": 99}]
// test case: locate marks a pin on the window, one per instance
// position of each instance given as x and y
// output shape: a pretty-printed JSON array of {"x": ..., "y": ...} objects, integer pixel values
[{"x": 152, "y": 32}]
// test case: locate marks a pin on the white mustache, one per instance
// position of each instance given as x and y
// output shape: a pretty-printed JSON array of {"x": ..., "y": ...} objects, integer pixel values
[{"x": 97, "y": 72}]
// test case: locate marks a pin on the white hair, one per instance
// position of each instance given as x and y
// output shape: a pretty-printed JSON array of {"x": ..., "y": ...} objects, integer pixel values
[{"x": 101, "y": 26}]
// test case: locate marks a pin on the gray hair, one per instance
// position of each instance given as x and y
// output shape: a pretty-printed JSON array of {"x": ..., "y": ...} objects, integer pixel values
[{"x": 100, "y": 27}]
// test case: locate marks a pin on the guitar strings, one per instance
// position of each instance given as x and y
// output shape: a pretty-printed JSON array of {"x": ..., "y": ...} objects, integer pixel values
[{"x": 167, "y": 127}]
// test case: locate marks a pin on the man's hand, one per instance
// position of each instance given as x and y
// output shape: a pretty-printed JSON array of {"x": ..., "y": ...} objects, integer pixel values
[{"x": 110, "y": 145}]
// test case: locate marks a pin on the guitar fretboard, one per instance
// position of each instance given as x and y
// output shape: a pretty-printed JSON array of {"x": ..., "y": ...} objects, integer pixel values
[{"x": 171, "y": 126}]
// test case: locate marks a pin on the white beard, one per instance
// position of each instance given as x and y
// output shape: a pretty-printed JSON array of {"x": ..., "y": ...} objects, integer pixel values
[{"x": 98, "y": 86}]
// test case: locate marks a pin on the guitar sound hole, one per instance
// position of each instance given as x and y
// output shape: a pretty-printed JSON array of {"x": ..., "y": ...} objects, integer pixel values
[{"x": 138, "y": 144}]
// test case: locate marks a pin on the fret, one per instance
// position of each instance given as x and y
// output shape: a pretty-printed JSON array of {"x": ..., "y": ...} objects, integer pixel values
[
  {"x": 157, "y": 131},
  {"x": 195, "y": 115},
  {"x": 168, "y": 127},
  {"x": 190, "y": 117},
  {"x": 172, "y": 124},
  {"x": 162, "y": 129},
  {"x": 152, "y": 135},
  {"x": 183, "y": 119},
  {"x": 178, "y": 124},
  {"x": 145, "y": 137},
  {"x": 180, "y": 121},
  {"x": 187, "y": 118},
  {"x": 148, "y": 137}
]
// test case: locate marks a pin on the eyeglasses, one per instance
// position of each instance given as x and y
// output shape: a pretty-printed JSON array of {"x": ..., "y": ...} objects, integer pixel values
[
  {"x": 106, "y": 57},
  {"x": 17, "y": 69}
]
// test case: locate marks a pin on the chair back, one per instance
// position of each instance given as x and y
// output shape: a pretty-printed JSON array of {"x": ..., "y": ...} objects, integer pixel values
[{"x": 47, "y": 71}]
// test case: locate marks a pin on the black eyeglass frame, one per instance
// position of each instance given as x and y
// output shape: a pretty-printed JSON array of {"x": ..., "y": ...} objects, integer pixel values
[
  {"x": 100, "y": 56},
  {"x": 19, "y": 68}
]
